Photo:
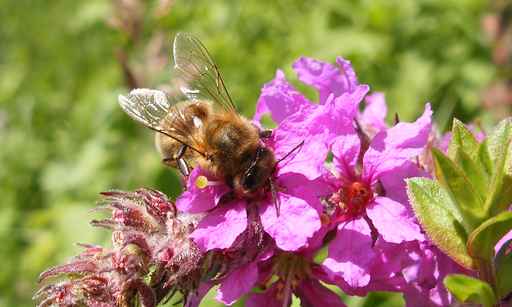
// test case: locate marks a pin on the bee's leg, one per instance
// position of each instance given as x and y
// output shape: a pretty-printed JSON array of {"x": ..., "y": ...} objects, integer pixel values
[
  {"x": 182, "y": 164},
  {"x": 275, "y": 198},
  {"x": 181, "y": 151},
  {"x": 265, "y": 134},
  {"x": 183, "y": 167}
]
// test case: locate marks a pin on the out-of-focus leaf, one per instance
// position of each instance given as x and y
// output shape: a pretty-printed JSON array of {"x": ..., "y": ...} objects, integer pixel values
[
  {"x": 470, "y": 290},
  {"x": 440, "y": 218}
]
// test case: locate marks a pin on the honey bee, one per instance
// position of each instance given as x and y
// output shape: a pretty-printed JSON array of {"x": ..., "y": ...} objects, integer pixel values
[{"x": 204, "y": 128}]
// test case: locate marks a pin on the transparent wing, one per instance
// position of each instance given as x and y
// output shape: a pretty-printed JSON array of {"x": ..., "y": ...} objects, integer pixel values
[
  {"x": 155, "y": 110},
  {"x": 148, "y": 107},
  {"x": 197, "y": 74}
]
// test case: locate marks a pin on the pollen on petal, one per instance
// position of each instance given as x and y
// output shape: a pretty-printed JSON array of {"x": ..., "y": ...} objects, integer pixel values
[{"x": 201, "y": 182}]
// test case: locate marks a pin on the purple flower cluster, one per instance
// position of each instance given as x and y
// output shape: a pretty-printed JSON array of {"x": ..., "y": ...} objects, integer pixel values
[
  {"x": 354, "y": 205},
  {"x": 339, "y": 214}
]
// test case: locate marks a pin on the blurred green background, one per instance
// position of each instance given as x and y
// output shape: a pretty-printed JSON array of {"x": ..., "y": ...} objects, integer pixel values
[{"x": 63, "y": 137}]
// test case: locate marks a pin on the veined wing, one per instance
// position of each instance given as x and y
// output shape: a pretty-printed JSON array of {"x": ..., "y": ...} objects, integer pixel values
[
  {"x": 197, "y": 74},
  {"x": 155, "y": 110}
]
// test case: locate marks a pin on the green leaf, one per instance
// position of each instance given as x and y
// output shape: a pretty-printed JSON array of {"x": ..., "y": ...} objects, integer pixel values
[
  {"x": 485, "y": 158},
  {"x": 467, "y": 199},
  {"x": 440, "y": 218},
  {"x": 499, "y": 137},
  {"x": 470, "y": 290},
  {"x": 482, "y": 240},
  {"x": 499, "y": 149},
  {"x": 464, "y": 151},
  {"x": 503, "y": 264},
  {"x": 462, "y": 140},
  {"x": 475, "y": 172}
]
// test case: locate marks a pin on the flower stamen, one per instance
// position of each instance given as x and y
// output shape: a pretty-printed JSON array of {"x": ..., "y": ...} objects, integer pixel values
[{"x": 352, "y": 199}]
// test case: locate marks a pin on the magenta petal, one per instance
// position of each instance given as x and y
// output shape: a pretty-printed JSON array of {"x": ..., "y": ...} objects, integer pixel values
[
  {"x": 375, "y": 112},
  {"x": 390, "y": 149},
  {"x": 283, "y": 228},
  {"x": 502, "y": 241},
  {"x": 325, "y": 77},
  {"x": 237, "y": 283},
  {"x": 393, "y": 221},
  {"x": 220, "y": 227},
  {"x": 280, "y": 99},
  {"x": 309, "y": 190},
  {"x": 348, "y": 103},
  {"x": 317, "y": 127},
  {"x": 269, "y": 298},
  {"x": 313, "y": 293},
  {"x": 394, "y": 182},
  {"x": 345, "y": 150},
  {"x": 351, "y": 254},
  {"x": 195, "y": 199}
]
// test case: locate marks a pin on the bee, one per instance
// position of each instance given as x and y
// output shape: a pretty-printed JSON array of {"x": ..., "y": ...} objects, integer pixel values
[{"x": 204, "y": 128}]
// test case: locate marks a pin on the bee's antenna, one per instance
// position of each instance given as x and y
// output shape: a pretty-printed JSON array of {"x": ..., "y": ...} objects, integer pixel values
[{"x": 299, "y": 146}]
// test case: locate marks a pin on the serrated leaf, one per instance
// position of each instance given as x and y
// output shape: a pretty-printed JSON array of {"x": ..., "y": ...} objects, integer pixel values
[
  {"x": 482, "y": 240},
  {"x": 464, "y": 193},
  {"x": 440, "y": 218},
  {"x": 470, "y": 290},
  {"x": 503, "y": 264},
  {"x": 462, "y": 140}
]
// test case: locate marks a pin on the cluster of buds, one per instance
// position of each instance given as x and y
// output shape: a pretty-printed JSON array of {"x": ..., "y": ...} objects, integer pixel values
[{"x": 152, "y": 256}]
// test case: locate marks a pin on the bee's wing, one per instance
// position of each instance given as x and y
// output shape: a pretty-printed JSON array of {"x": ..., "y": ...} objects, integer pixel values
[
  {"x": 155, "y": 110},
  {"x": 197, "y": 74},
  {"x": 148, "y": 107}
]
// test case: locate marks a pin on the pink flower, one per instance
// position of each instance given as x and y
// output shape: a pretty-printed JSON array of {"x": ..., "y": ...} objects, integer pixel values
[
  {"x": 281, "y": 274},
  {"x": 361, "y": 168},
  {"x": 224, "y": 222},
  {"x": 424, "y": 277},
  {"x": 372, "y": 118},
  {"x": 298, "y": 177},
  {"x": 361, "y": 209},
  {"x": 326, "y": 78},
  {"x": 281, "y": 99}
]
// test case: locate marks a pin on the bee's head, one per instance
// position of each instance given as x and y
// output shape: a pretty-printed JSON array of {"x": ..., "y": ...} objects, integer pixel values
[{"x": 257, "y": 173}]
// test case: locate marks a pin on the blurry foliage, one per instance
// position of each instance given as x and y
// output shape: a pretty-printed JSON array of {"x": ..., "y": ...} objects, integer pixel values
[{"x": 64, "y": 139}]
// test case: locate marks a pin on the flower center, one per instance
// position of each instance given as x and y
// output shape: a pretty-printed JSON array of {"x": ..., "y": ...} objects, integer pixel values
[{"x": 351, "y": 200}]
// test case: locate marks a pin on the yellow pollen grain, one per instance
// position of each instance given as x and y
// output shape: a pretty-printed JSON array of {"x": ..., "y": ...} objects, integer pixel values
[{"x": 201, "y": 182}]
